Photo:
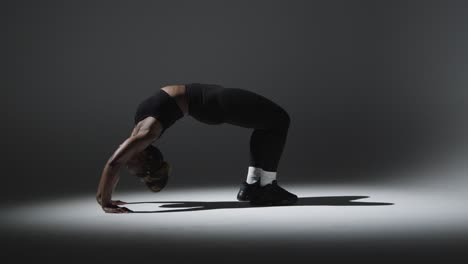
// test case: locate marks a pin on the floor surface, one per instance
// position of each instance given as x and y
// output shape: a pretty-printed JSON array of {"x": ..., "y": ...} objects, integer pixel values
[{"x": 330, "y": 223}]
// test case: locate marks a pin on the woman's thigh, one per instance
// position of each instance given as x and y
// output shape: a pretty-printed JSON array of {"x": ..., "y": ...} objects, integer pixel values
[{"x": 248, "y": 109}]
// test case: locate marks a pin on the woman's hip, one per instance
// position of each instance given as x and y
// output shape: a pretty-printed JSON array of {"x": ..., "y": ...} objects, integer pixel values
[{"x": 203, "y": 102}]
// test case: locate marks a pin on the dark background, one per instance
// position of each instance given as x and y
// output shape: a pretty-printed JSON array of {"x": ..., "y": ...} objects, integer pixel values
[{"x": 371, "y": 86}]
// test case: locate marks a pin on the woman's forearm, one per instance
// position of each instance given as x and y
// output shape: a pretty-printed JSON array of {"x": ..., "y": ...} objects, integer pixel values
[
  {"x": 114, "y": 185},
  {"x": 107, "y": 184}
]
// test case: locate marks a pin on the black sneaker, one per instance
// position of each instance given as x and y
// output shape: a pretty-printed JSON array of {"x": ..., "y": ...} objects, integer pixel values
[
  {"x": 272, "y": 194},
  {"x": 246, "y": 190}
]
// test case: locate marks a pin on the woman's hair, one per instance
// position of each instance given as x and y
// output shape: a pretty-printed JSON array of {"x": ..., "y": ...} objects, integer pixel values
[{"x": 154, "y": 171}]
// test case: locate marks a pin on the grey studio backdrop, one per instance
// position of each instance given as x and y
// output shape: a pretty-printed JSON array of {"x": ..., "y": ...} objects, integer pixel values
[{"x": 371, "y": 86}]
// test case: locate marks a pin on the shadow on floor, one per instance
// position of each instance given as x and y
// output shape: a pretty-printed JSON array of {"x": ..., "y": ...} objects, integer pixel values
[{"x": 303, "y": 201}]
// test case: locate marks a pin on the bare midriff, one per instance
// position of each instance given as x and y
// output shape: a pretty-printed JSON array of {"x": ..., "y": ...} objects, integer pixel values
[{"x": 178, "y": 92}]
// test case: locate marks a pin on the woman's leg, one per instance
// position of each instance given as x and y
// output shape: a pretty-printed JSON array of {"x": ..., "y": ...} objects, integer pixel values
[
  {"x": 269, "y": 121},
  {"x": 270, "y": 124}
]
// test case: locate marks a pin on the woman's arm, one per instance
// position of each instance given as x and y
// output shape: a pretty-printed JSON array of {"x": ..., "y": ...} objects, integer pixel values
[
  {"x": 145, "y": 133},
  {"x": 114, "y": 184}
]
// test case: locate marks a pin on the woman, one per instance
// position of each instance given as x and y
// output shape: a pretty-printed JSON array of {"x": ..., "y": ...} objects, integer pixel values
[{"x": 210, "y": 104}]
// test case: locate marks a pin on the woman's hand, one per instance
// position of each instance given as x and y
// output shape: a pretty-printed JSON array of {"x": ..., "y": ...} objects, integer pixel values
[
  {"x": 114, "y": 209},
  {"x": 112, "y": 202},
  {"x": 117, "y": 202}
]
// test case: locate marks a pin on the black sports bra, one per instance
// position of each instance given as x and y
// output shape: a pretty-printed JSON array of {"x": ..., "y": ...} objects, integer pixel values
[{"x": 161, "y": 106}]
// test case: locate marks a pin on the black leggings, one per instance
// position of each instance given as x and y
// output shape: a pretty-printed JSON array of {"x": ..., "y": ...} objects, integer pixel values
[{"x": 214, "y": 104}]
